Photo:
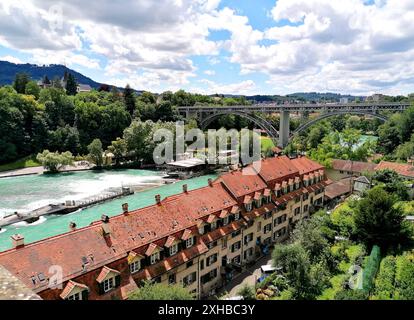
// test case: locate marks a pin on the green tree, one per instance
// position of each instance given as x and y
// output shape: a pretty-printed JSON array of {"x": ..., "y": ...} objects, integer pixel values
[
  {"x": 129, "y": 99},
  {"x": 378, "y": 220},
  {"x": 118, "y": 148},
  {"x": 71, "y": 85},
  {"x": 96, "y": 152},
  {"x": 20, "y": 82},
  {"x": 294, "y": 261},
  {"x": 52, "y": 162},
  {"x": 33, "y": 89},
  {"x": 158, "y": 291}
]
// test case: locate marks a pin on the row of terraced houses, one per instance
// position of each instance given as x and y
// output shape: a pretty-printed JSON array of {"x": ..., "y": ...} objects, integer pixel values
[{"x": 197, "y": 238}]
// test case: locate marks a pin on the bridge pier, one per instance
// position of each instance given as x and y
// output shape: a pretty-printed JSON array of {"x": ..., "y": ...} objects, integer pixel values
[{"x": 284, "y": 129}]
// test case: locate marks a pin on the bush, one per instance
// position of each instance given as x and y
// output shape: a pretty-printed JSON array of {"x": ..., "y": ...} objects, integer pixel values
[
  {"x": 158, "y": 291},
  {"x": 371, "y": 269},
  {"x": 247, "y": 292},
  {"x": 385, "y": 281}
]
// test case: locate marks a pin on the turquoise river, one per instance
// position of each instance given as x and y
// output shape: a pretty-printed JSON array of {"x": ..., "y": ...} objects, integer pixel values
[{"x": 30, "y": 192}]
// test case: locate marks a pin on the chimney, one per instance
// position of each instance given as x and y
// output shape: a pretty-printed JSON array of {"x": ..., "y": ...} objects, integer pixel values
[
  {"x": 158, "y": 199},
  {"x": 72, "y": 226},
  {"x": 105, "y": 218},
  {"x": 17, "y": 241},
  {"x": 210, "y": 182},
  {"x": 185, "y": 188},
  {"x": 125, "y": 208},
  {"x": 106, "y": 227}
]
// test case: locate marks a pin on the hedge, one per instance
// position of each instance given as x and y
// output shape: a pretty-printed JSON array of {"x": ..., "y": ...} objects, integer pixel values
[{"x": 371, "y": 269}]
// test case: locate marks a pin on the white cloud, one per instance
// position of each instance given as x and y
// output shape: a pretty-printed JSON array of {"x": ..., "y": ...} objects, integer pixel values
[
  {"x": 246, "y": 87},
  {"x": 11, "y": 59},
  {"x": 330, "y": 45},
  {"x": 210, "y": 72}
]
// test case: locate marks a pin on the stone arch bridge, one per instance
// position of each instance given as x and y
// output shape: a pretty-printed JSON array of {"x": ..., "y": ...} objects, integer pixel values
[{"x": 282, "y": 136}]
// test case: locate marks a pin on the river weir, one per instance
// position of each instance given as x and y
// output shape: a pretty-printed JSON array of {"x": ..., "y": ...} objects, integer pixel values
[{"x": 64, "y": 208}]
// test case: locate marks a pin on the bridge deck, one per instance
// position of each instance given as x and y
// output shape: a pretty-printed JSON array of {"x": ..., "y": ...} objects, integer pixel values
[{"x": 318, "y": 107}]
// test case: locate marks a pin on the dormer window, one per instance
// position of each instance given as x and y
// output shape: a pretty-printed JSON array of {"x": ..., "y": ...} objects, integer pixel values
[
  {"x": 214, "y": 225},
  {"x": 248, "y": 207},
  {"x": 174, "y": 249},
  {"x": 226, "y": 221},
  {"x": 237, "y": 216},
  {"x": 135, "y": 266},
  {"x": 155, "y": 257},
  {"x": 108, "y": 279},
  {"x": 189, "y": 242}
]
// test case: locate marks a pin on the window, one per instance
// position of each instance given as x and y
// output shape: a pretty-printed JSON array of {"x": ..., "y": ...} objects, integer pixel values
[
  {"x": 173, "y": 249},
  {"x": 236, "y": 246},
  {"x": 248, "y": 207},
  {"x": 212, "y": 259},
  {"x": 201, "y": 230},
  {"x": 306, "y": 208},
  {"x": 108, "y": 284},
  {"x": 225, "y": 221},
  {"x": 259, "y": 226},
  {"x": 259, "y": 203},
  {"x": 190, "y": 264},
  {"x": 191, "y": 278},
  {"x": 248, "y": 253},
  {"x": 248, "y": 238},
  {"x": 224, "y": 243},
  {"x": 209, "y": 276},
  {"x": 211, "y": 245},
  {"x": 214, "y": 225},
  {"x": 189, "y": 242},
  {"x": 155, "y": 257},
  {"x": 76, "y": 296},
  {"x": 135, "y": 266},
  {"x": 236, "y": 260},
  {"x": 172, "y": 278},
  {"x": 235, "y": 233},
  {"x": 267, "y": 228},
  {"x": 237, "y": 216},
  {"x": 201, "y": 264},
  {"x": 297, "y": 199},
  {"x": 297, "y": 211},
  {"x": 305, "y": 196},
  {"x": 267, "y": 215}
]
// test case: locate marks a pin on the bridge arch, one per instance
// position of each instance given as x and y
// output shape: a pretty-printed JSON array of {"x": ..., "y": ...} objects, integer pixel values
[
  {"x": 257, "y": 120},
  {"x": 332, "y": 114}
]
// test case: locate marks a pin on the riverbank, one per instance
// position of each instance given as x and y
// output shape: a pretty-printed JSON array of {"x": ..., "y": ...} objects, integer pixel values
[{"x": 40, "y": 170}]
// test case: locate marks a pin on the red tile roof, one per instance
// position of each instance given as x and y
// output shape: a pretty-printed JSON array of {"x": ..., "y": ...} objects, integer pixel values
[
  {"x": 357, "y": 166},
  {"x": 306, "y": 166},
  {"x": 405, "y": 170},
  {"x": 337, "y": 189},
  {"x": 276, "y": 168},
  {"x": 244, "y": 182}
]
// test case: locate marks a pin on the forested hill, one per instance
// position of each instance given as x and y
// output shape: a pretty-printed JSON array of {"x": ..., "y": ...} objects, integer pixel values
[{"x": 9, "y": 70}]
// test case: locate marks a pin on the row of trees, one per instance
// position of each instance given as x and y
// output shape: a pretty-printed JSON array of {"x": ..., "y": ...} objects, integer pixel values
[{"x": 60, "y": 119}]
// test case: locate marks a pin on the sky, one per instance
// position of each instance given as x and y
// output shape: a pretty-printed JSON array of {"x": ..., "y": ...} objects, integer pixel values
[{"x": 245, "y": 47}]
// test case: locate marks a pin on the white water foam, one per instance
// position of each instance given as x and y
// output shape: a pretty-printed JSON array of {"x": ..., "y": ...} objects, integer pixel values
[
  {"x": 24, "y": 224},
  {"x": 3, "y": 230}
]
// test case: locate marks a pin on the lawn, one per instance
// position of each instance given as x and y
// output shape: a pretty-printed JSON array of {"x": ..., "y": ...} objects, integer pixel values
[
  {"x": 267, "y": 143},
  {"x": 27, "y": 162}
]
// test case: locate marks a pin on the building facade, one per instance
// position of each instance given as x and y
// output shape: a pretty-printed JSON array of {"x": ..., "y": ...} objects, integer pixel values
[{"x": 199, "y": 238}]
